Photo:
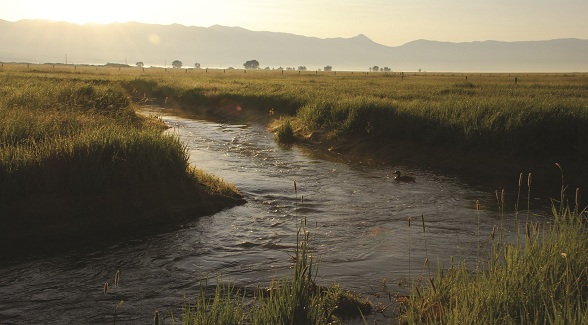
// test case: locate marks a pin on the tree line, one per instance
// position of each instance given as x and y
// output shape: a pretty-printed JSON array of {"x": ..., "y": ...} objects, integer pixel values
[{"x": 254, "y": 65}]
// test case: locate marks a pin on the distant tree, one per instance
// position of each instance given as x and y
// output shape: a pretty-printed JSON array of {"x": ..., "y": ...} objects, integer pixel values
[
  {"x": 267, "y": 68},
  {"x": 375, "y": 68},
  {"x": 328, "y": 68},
  {"x": 197, "y": 65},
  {"x": 251, "y": 64},
  {"x": 116, "y": 65},
  {"x": 386, "y": 69},
  {"x": 139, "y": 64},
  {"x": 301, "y": 68},
  {"x": 177, "y": 64}
]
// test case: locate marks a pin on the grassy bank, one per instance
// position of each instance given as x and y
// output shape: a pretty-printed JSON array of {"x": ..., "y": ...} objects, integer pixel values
[
  {"x": 76, "y": 156},
  {"x": 538, "y": 114},
  {"x": 76, "y": 159},
  {"x": 293, "y": 299},
  {"x": 523, "y": 114},
  {"x": 542, "y": 279},
  {"x": 538, "y": 277}
]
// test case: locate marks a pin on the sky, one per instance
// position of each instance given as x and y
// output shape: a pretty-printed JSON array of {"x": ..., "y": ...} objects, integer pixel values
[{"x": 388, "y": 22}]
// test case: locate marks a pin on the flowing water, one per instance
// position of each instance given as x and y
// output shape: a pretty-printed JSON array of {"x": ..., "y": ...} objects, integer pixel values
[{"x": 356, "y": 214}]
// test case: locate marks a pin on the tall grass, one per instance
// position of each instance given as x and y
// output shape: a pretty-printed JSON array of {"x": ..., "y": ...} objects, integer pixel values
[
  {"x": 70, "y": 142},
  {"x": 542, "y": 280},
  {"x": 296, "y": 299},
  {"x": 540, "y": 114},
  {"x": 78, "y": 138}
]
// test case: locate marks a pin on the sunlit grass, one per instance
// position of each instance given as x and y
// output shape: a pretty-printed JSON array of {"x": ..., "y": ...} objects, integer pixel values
[
  {"x": 70, "y": 137},
  {"x": 66, "y": 130},
  {"x": 487, "y": 112},
  {"x": 540, "y": 280},
  {"x": 539, "y": 113},
  {"x": 294, "y": 299}
]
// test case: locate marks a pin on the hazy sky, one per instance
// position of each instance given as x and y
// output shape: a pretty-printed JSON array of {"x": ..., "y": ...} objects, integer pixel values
[{"x": 389, "y": 22}]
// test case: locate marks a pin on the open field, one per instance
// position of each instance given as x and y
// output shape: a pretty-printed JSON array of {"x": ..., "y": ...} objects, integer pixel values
[
  {"x": 534, "y": 114},
  {"x": 460, "y": 121},
  {"x": 71, "y": 141},
  {"x": 50, "y": 112}
]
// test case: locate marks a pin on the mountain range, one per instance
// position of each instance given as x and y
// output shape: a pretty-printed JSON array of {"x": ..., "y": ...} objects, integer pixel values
[{"x": 41, "y": 41}]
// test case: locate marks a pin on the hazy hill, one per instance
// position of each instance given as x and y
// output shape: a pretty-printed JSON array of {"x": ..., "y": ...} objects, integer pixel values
[{"x": 39, "y": 41}]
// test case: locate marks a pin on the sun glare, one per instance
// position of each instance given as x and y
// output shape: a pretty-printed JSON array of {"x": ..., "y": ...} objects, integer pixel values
[{"x": 103, "y": 12}]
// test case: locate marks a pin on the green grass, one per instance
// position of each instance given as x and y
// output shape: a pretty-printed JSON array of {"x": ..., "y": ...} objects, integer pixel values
[
  {"x": 537, "y": 115},
  {"x": 296, "y": 299},
  {"x": 284, "y": 133},
  {"x": 68, "y": 131},
  {"x": 73, "y": 151},
  {"x": 541, "y": 113},
  {"x": 540, "y": 280}
]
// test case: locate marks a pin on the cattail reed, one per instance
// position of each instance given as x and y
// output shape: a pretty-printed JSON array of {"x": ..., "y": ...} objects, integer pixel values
[
  {"x": 528, "y": 195},
  {"x": 562, "y": 192},
  {"x": 478, "y": 233},
  {"x": 501, "y": 214},
  {"x": 409, "y": 250},
  {"x": 576, "y": 211},
  {"x": 105, "y": 289},
  {"x": 116, "y": 278},
  {"x": 425, "y": 239},
  {"x": 295, "y": 188},
  {"x": 502, "y": 202},
  {"x": 519, "y": 194},
  {"x": 156, "y": 318},
  {"x": 433, "y": 285}
]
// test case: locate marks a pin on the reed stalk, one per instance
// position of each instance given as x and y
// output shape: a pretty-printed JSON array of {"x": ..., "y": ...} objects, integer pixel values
[
  {"x": 409, "y": 250},
  {"x": 427, "y": 264},
  {"x": 478, "y": 235}
]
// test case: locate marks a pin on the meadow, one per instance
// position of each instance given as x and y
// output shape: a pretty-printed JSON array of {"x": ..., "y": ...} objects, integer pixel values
[
  {"x": 76, "y": 159},
  {"x": 71, "y": 136},
  {"x": 526, "y": 114},
  {"x": 535, "y": 115}
]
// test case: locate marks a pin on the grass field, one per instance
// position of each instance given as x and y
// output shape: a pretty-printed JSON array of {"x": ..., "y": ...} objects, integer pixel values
[
  {"x": 535, "y": 114},
  {"x": 538, "y": 113},
  {"x": 71, "y": 133},
  {"x": 76, "y": 158}
]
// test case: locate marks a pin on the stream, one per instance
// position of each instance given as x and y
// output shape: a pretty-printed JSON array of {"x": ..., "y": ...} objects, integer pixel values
[{"x": 357, "y": 216}]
